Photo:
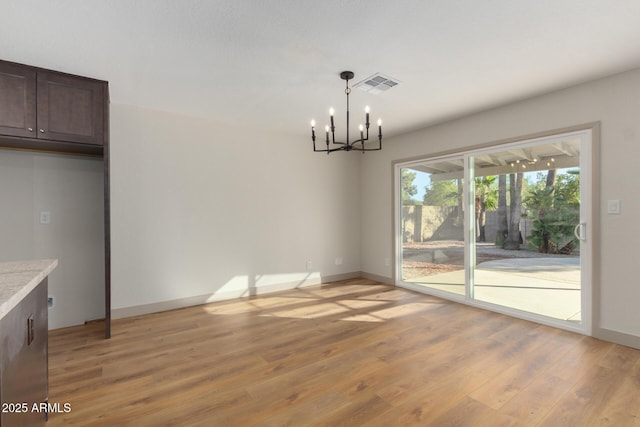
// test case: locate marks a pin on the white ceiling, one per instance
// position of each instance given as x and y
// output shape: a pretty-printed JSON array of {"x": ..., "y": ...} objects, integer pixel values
[{"x": 276, "y": 63}]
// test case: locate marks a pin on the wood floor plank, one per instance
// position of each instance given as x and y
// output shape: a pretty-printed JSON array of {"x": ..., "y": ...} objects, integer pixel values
[
  {"x": 514, "y": 378},
  {"x": 423, "y": 405},
  {"x": 532, "y": 403},
  {"x": 584, "y": 403},
  {"x": 351, "y": 353},
  {"x": 466, "y": 412}
]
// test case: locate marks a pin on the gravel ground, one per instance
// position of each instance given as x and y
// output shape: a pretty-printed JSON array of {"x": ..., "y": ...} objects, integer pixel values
[{"x": 428, "y": 258}]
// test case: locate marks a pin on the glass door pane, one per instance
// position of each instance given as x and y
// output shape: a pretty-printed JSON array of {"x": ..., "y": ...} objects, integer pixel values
[
  {"x": 527, "y": 206},
  {"x": 432, "y": 225}
]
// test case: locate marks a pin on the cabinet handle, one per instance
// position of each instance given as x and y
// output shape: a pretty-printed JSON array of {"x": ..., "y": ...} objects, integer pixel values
[
  {"x": 31, "y": 330},
  {"x": 30, "y": 129},
  {"x": 41, "y": 130}
]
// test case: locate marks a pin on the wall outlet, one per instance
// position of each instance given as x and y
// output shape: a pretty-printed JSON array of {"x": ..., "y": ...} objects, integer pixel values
[
  {"x": 45, "y": 217},
  {"x": 387, "y": 262},
  {"x": 50, "y": 302},
  {"x": 308, "y": 265},
  {"x": 339, "y": 260}
]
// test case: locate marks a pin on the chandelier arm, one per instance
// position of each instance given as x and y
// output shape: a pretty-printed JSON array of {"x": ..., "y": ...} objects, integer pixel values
[
  {"x": 344, "y": 148},
  {"x": 331, "y": 150},
  {"x": 326, "y": 150},
  {"x": 369, "y": 149},
  {"x": 364, "y": 148}
]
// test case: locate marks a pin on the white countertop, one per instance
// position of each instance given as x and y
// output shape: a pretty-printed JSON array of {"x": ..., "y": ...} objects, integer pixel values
[{"x": 18, "y": 278}]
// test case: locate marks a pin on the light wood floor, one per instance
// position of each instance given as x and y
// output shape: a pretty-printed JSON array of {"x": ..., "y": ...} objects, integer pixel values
[{"x": 348, "y": 354}]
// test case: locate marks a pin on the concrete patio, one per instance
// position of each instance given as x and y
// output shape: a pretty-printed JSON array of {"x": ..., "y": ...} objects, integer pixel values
[{"x": 546, "y": 286}]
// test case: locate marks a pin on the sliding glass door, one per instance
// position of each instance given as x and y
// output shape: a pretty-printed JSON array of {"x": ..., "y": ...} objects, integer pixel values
[
  {"x": 503, "y": 228},
  {"x": 432, "y": 232}
]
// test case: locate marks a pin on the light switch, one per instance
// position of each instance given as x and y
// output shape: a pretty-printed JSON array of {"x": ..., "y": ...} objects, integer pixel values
[
  {"x": 613, "y": 207},
  {"x": 45, "y": 217}
]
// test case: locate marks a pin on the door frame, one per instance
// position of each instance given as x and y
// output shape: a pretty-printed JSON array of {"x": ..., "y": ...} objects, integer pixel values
[{"x": 589, "y": 211}]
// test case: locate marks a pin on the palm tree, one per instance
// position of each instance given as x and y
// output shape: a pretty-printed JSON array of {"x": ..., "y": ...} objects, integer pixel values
[
  {"x": 486, "y": 199},
  {"x": 542, "y": 200},
  {"x": 558, "y": 210},
  {"x": 514, "y": 238},
  {"x": 503, "y": 225}
]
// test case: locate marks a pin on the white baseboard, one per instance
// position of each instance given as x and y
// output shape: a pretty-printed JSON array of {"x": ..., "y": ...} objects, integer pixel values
[
  {"x": 382, "y": 279},
  {"x": 617, "y": 337},
  {"x": 344, "y": 276}
]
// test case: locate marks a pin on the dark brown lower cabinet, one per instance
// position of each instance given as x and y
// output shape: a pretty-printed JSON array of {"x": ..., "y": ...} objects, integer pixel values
[{"x": 24, "y": 381}]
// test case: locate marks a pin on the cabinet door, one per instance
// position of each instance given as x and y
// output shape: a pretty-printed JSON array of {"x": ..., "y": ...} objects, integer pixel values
[
  {"x": 17, "y": 100},
  {"x": 24, "y": 332},
  {"x": 70, "y": 109}
]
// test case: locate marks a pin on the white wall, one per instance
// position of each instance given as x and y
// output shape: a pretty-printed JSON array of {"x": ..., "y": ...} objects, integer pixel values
[
  {"x": 615, "y": 102},
  {"x": 203, "y": 210},
  {"x": 71, "y": 189}
]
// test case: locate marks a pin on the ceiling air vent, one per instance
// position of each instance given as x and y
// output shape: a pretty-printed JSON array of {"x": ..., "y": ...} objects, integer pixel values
[{"x": 376, "y": 83}]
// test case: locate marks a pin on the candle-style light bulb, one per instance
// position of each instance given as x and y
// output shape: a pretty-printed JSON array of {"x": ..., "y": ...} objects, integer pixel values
[
  {"x": 380, "y": 129},
  {"x": 313, "y": 123},
  {"x": 326, "y": 129},
  {"x": 331, "y": 111},
  {"x": 366, "y": 110},
  {"x": 313, "y": 130},
  {"x": 361, "y": 134}
]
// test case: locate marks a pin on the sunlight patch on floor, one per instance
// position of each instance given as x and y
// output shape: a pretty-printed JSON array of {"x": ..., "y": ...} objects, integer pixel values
[{"x": 324, "y": 309}]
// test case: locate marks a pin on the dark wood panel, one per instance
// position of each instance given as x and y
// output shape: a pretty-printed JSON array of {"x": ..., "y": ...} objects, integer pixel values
[
  {"x": 107, "y": 221},
  {"x": 70, "y": 109},
  {"x": 42, "y": 145},
  {"x": 24, "y": 358},
  {"x": 17, "y": 100}
]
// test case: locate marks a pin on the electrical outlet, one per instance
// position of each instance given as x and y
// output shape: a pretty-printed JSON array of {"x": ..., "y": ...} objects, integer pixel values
[
  {"x": 308, "y": 265},
  {"x": 45, "y": 217},
  {"x": 50, "y": 302},
  {"x": 339, "y": 260},
  {"x": 387, "y": 262}
]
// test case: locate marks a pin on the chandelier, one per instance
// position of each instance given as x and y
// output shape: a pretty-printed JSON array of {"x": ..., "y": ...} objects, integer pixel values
[{"x": 358, "y": 144}]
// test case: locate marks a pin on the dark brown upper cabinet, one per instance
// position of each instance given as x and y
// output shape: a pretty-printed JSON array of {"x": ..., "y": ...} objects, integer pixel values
[
  {"x": 17, "y": 100},
  {"x": 70, "y": 109},
  {"x": 51, "y": 110}
]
